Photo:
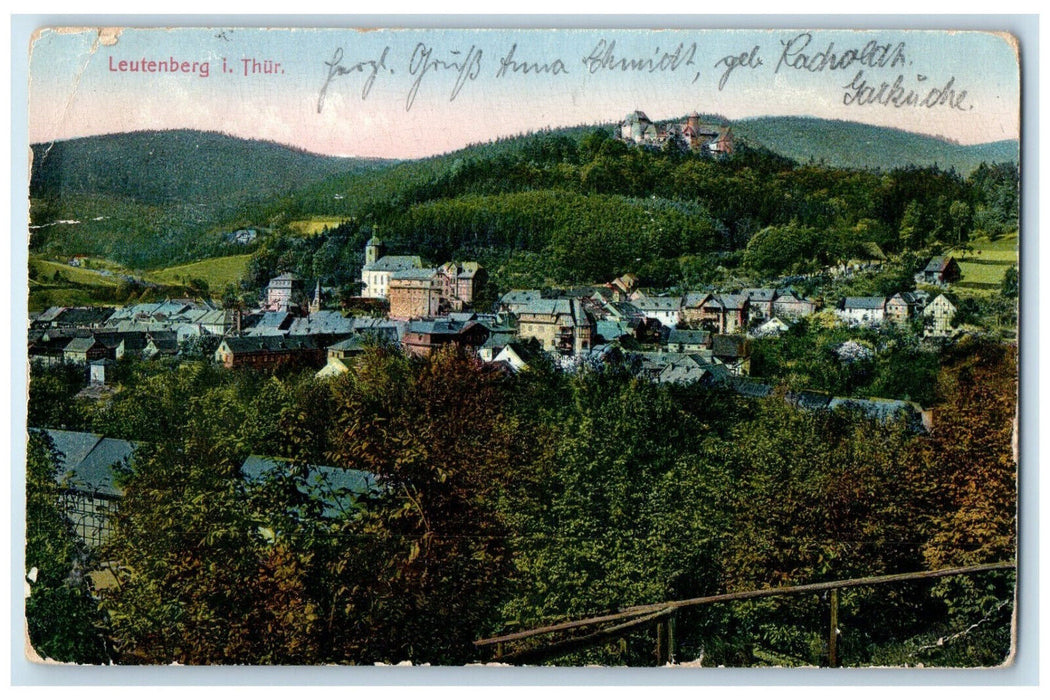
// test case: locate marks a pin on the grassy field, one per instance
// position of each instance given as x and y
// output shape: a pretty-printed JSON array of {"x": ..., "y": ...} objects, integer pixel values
[
  {"x": 983, "y": 266},
  {"x": 58, "y": 274},
  {"x": 217, "y": 272},
  {"x": 314, "y": 225},
  {"x": 96, "y": 282},
  {"x": 42, "y": 298}
]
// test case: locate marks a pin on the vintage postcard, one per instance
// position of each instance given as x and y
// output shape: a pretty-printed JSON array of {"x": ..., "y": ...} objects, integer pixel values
[{"x": 461, "y": 347}]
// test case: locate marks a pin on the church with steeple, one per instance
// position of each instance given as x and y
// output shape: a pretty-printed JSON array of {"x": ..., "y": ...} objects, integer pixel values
[{"x": 376, "y": 272}]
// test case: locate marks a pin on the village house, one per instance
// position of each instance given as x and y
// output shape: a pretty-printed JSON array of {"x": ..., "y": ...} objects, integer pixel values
[
  {"x": 691, "y": 369},
  {"x": 125, "y": 343},
  {"x": 902, "y": 306},
  {"x": 267, "y": 352},
  {"x": 863, "y": 310},
  {"x": 340, "y": 356},
  {"x": 623, "y": 286},
  {"x": 938, "y": 316},
  {"x": 734, "y": 351},
  {"x": 560, "y": 325},
  {"x": 759, "y": 302},
  {"x": 515, "y": 356},
  {"x": 220, "y": 321},
  {"x": 346, "y": 349},
  {"x": 608, "y": 331},
  {"x": 666, "y": 310},
  {"x": 90, "y": 494},
  {"x": 161, "y": 344},
  {"x": 48, "y": 348},
  {"x": 719, "y": 313},
  {"x": 459, "y": 283},
  {"x": 85, "y": 350},
  {"x": 322, "y": 323},
  {"x": 414, "y": 293},
  {"x": 688, "y": 341},
  {"x": 788, "y": 304},
  {"x": 422, "y": 338},
  {"x": 517, "y": 299},
  {"x": 941, "y": 271},
  {"x": 680, "y": 368},
  {"x": 89, "y": 491},
  {"x": 73, "y": 317}
]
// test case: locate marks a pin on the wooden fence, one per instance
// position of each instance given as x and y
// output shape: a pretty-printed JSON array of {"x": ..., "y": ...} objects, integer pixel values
[{"x": 662, "y": 618}]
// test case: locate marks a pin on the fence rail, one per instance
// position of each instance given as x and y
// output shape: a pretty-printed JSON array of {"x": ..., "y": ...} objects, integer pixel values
[{"x": 661, "y": 616}]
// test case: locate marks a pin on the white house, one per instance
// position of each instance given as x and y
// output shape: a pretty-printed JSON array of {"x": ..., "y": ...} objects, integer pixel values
[
  {"x": 666, "y": 310},
  {"x": 863, "y": 310}
]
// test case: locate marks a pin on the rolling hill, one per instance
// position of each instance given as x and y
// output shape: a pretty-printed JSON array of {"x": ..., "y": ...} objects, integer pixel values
[
  {"x": 154, "y": 198},
  {"x": 843, "y": 144},
  {"x": 178, "y": 167}
]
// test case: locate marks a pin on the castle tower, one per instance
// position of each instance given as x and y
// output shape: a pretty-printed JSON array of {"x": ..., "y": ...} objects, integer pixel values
[
  {"x": 373, "y": 250},
  {"x": 693, "y": 120}
]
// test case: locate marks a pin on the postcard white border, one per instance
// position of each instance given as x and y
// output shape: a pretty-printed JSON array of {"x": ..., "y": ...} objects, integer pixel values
[{"x": 1023, "y": 672}]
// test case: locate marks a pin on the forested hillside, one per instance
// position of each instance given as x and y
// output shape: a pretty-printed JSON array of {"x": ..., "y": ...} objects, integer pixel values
[
  {"x": 844, "y": 144},
  {"x": 151, "y": 198},
  {"x": 555, "y": 209}
]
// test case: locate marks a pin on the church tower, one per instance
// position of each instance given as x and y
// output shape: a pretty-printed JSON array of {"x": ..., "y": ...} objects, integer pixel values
[
  {"x": 315, "y": 303},
  {"x": 373, "y": 250}
]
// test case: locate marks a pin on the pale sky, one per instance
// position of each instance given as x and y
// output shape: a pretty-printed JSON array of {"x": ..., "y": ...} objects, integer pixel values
[{"x": 438, "y": 90}]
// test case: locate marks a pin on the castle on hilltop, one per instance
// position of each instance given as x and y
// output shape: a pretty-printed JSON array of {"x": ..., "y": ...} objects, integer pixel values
[{"x": 692, "y": 134}]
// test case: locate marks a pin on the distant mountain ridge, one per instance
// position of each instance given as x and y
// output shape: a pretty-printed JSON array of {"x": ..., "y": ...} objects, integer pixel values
[
  {"x": 179, "y": 167},
  {"x": 844, "y": 144}
]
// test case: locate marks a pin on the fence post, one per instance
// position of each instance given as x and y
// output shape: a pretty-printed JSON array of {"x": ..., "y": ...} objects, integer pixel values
[
  {"x": 833, "y": 629},
  {"x": 671, "y": 623},
  {"x": 661, "y": 642}
]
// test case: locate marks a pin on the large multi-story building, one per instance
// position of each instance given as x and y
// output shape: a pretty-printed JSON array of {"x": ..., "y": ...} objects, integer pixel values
[
  {"x": 415, "y": 291},
  {"x": 560, "y": 325},
  {"x": 414, "y": 294},
  {"x": 283, "y": 292}
]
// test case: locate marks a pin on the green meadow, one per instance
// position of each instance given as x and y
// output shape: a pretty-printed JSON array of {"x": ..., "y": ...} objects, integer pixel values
[
  {"x": 984, "y": 265},
  {"x": 217, "y": 272},
  {"x": 314, "y": 225},
  {"x": 98, "y": 281}
]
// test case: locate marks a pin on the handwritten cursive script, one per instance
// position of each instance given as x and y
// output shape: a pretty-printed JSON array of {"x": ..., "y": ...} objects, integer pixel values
[
  {"x": 747, "y": 59},
  {"x": 509, "y": 63},
  {"x": 860, "y": 92},
  {"x": 603, "y": 57},
  {"x": 467, "y": 68},
  {"x": 337, "y": 69},
  {"x": 794, "y": 54}
]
